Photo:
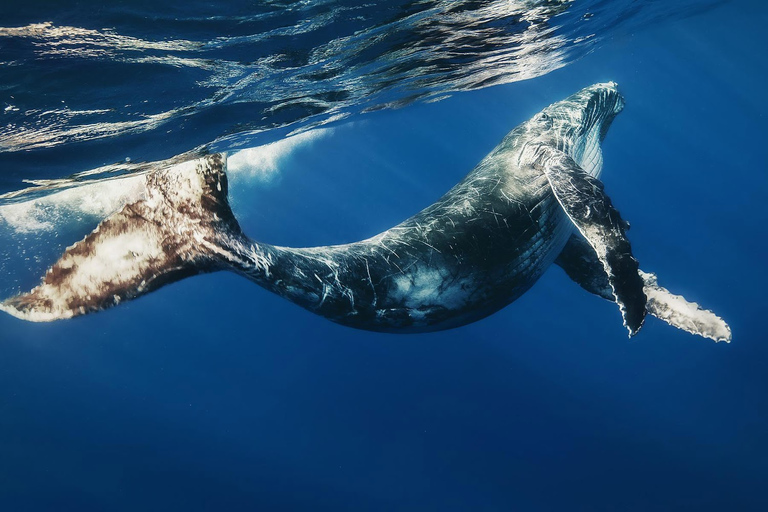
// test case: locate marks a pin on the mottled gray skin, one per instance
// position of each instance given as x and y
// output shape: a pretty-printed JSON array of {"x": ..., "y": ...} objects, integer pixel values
[
  {"x": 478, "y": 248},
  {"x": 474, "y": 251}
]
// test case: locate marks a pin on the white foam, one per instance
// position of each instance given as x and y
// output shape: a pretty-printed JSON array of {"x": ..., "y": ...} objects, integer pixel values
[
  {"x": 263, "y": 163},
  {"x": 97, "y": 199}
]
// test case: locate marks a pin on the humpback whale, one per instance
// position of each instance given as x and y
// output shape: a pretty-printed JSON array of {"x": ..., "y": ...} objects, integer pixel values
[{"x": 535, "y": 200}]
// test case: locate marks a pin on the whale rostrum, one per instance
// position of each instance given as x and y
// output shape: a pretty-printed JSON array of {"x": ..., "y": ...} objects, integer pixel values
[{"x": 536, "y": 199}]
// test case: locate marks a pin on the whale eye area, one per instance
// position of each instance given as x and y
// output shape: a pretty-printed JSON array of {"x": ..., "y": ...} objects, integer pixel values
[{"x": 543, "y": 118}]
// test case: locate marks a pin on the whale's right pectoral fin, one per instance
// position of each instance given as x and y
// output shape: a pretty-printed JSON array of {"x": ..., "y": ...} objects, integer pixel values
[
  {"x": 581, "y": 264},
  {"x": 174, "y": 232},
  {"x": 590, "y": 209}
]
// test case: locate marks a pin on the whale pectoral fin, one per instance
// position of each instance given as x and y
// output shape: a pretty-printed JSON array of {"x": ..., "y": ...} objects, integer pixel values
[
  {"x": 680, "y": 313},
  {"x": 581, "y": 264},
  {"x": 165, "y": 237},
  {"x": 590, "y": 209}
]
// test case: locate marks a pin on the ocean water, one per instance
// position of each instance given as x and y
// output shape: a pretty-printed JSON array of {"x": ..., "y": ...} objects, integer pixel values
[{"x": 341, "y": 119}]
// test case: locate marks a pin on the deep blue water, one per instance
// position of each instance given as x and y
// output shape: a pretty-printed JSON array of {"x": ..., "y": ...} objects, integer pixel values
[{"x": 213, "y": 394}]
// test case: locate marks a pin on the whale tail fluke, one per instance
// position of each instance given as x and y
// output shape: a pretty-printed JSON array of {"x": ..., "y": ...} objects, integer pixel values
[{"x": 179, "y": 229}]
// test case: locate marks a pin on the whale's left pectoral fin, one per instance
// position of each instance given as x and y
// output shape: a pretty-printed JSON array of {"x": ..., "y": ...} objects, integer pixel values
[
  {"x": 580, "y": 263},
  {"x": 590, "y": 209}
]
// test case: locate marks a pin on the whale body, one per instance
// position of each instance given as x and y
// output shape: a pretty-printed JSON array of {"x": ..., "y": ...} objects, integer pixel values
[{"x": 535, "y": 200}]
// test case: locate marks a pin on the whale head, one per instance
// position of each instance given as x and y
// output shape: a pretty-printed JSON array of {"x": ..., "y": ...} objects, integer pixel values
[{"x": 578, "y": 124}]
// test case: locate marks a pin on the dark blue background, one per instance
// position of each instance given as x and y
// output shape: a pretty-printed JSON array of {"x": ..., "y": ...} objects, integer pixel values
[{"x": 212, "y": 394}]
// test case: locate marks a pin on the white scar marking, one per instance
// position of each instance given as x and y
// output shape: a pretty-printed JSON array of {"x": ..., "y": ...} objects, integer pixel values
[
  {"x": 370, "y": 280},
  {"x": 430, "y": 287}
]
